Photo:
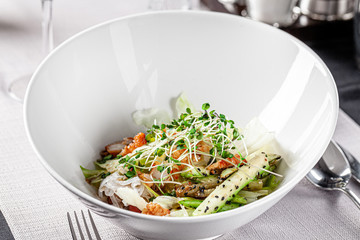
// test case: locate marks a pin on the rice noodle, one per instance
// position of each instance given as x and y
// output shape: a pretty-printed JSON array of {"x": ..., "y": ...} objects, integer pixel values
[{"x": 113, "y": 182}]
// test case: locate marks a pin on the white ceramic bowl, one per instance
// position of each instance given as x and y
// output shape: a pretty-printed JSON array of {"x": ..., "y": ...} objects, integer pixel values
[{"x": 82, "y": 97}]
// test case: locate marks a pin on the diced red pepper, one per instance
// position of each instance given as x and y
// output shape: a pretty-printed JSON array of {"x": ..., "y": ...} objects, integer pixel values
[{"x": 134, "y": 209}]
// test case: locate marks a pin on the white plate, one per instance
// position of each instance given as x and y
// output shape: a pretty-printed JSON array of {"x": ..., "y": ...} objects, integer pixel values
[{"x": 82, "y": 97}]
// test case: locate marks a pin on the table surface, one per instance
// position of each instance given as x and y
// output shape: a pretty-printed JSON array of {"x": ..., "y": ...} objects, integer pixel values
[{"x": 305, "y": 211}]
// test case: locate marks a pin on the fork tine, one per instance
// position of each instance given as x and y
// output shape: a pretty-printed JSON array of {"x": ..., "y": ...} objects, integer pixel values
[
  {"x": 94, "y": 227},
  {"x": 71, "y": 227},
  {"x": 86, "y": 226},
  {"x": 78, "y": 224}
]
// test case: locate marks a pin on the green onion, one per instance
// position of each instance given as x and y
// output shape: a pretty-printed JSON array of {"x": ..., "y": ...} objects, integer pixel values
[
  {"x": 160, "y": 168},
  {"x": 163, "y": 136},
  {"x": 104, "y": 175},
  {"x": 159, "y": 152},
  {"x": 130, "y": 173}
]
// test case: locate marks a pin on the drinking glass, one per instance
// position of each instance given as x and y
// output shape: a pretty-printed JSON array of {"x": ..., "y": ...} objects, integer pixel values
[
  {"x": 156, "y": 5},
  {"x": 17, "y": 88}
]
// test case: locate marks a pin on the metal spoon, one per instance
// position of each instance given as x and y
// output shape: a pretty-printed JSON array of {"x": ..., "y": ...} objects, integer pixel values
[
  {"x": 354, "y": 164},
  {"x": 333, "y": 172}
]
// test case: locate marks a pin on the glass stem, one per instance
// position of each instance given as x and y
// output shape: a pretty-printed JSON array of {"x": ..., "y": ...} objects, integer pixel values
[{"x": 47, "y": 28}]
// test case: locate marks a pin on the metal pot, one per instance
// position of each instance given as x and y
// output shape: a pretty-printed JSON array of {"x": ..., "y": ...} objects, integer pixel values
[
  {"x": 328, "y": 10},
  {"x": 276, "y": 12}
]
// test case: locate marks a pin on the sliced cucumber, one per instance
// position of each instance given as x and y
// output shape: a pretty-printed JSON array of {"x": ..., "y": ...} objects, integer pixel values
[
  {"x": 190, "y": 202},
  {"x": 227, "y": 172},
  {"x": 231, "y": 186},
  {"x": 198, "y": 172},
  {"x": 238, "y": 199}
]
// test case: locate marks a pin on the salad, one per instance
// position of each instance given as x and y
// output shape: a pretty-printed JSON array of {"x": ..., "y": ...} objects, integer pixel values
[{"x": 198, "y": 164}]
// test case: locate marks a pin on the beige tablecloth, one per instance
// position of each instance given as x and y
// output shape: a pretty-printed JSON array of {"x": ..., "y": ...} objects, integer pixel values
[{"x": 35, "y": 205}]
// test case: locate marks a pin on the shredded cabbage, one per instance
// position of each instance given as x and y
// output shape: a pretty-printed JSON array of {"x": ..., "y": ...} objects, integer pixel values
[
  {"x": 113, "y": 182},
  {"x": 182, "y": 103},
  {"x": 256, "y": 137},
  {"x": 150, "y": 116},
  {"x": 167, "y": 202},
  {"x": 182, "y": 212},
  {"x": 130, "y": 196}
]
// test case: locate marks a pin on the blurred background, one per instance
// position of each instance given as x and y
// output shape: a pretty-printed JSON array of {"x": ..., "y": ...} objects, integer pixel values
[{"x": 327, "y": 26}]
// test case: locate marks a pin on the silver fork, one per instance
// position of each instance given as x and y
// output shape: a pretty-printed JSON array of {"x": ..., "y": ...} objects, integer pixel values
[{"x": 85, "y": 224}]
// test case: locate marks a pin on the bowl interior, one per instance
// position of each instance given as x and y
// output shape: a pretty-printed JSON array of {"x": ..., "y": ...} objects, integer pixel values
[{"x": 82, "y": 97}]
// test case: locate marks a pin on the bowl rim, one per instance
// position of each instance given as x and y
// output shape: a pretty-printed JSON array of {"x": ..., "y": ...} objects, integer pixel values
[{"x": 278, "y": 194}]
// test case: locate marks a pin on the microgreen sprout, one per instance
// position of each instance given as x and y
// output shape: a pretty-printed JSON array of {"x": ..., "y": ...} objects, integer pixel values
[{"x": 175, "y": 147}]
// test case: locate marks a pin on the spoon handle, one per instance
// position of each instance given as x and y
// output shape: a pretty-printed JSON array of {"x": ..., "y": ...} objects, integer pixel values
[{"x": 351, "y": 195}]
